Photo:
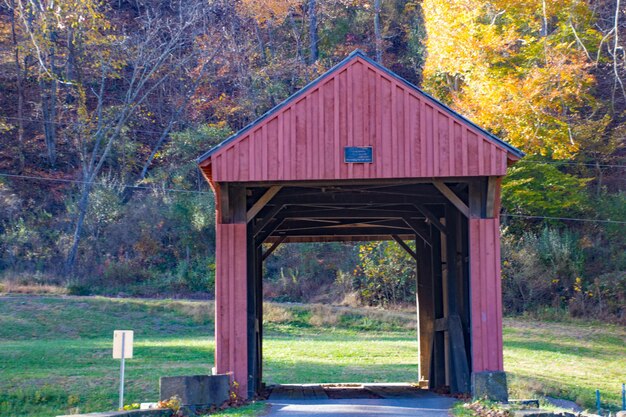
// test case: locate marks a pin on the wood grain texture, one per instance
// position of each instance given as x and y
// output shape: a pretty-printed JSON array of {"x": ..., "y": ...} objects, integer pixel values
[
  {"x": 412, "y": 135},
  {"x": 231, "y": 340},
  {"x": 485, "y": 294}
]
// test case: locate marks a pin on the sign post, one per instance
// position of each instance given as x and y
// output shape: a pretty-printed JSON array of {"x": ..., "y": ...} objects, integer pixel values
[{"x": 122, "y": 349}]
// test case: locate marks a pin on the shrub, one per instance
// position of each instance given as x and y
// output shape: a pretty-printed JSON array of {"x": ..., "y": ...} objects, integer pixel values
[
  {"x": 77, "y": 288},
  {"x": 197, "y": 275},
  {"x": 540, "y": 269},
  {"x": 116, "y": 273},
  {"x": 386, "y": 275}
]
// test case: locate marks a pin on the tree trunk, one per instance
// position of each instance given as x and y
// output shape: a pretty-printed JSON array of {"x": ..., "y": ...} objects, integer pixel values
[
  {"x": 83, "y": 205},
  {"x": 49, "y": 105},
  {"x": 20, "y": 91},
  {"x": 378, "y": 37},
  {"x": 48, "y": 110},
  {"x": 313, "y": 38}
]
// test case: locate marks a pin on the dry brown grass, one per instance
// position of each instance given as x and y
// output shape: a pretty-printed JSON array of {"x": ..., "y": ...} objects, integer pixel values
[
  {"x": 273, "y": 313},
  {"x": 322, "y": 315},
  {"x": 200, "y": 312},
  {"x": 11, "y": 287}
]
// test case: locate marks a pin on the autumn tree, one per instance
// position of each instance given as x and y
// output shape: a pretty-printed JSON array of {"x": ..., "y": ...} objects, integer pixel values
[{"x": 520, "y": 69}]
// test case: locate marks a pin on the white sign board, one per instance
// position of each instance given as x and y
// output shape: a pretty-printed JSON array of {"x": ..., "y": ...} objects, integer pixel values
[{"x": 125, "y": 338}]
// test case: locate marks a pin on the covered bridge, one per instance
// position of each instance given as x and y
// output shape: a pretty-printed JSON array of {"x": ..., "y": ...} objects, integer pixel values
[{"x": 362, "y": 154}]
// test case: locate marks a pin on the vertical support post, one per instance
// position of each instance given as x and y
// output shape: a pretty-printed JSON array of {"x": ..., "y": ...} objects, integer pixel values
[
  {"x": 458, "y": 358},
  {"x": 255, "y": 315},
  {"x": 252, "y": 313},
  {"x": 231, "y": 286},
  {"x": 425, "y": 307},
  {"x": 488, "y": 377},
  {"x": 463, "y": 249},
  {"x": 122, "y": 364},
  {"x": 259, "y": 315},
  {"x": 438, "y": 367}
]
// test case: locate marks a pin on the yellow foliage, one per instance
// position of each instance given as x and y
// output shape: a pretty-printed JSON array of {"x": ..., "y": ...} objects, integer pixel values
[
  {"x": 267, "y": 10},
  {"x": 498, "y": 63}
]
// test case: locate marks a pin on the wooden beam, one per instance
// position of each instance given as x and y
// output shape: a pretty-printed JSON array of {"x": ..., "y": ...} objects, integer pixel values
[
  {"x": 441, "y": 325},
  {"x": 354, "y": 213},
  {"x": 450, "y": 259},
  {"x": 260, "y": 238},
  {"x": 293, "y": 225},
  {"x": 454, "y": 199},
  {"x": 232, "y": 204},
  {"x": 223, "y": 205},
  {"x": 266, "y": 219},
  {"x": 458, "y": 352},
  {"x": 419, "y": 229},
  {"x": 405, "y": 246},
  {"x": 425, "y": 307},
  {"x": 272, "y": 248},
  {"x": 490, "y": 204},
  {"x": 261, "y": 202},
  {"x": 238, "y": 204},
  {"x": 347, "y": 231},
  {"x": 431, "y": 217},
  {"x": 353, "y": 199},
  {"x": 476, "y": 199},
  {"x": 365, "y": 182},
  {"x": 438, "y": 359},
  {"x": 353, "y": 238}
]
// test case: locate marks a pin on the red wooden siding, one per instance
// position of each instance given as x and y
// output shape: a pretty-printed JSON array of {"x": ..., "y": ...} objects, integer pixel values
[
  {"x": 231, "y": 340},
  {"x": 486, "y": 294},
  {"x": 358, "y": 105}
]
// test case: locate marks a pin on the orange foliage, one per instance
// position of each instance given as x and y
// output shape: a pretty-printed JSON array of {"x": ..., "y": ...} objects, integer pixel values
[{"x": 508, "y": 71}]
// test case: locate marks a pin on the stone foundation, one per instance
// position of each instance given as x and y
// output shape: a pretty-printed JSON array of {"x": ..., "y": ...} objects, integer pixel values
[
  {"x": 196, "y": 390},
  {"x": 490, "y": 385},
  {"x": 129, "y": 413}
]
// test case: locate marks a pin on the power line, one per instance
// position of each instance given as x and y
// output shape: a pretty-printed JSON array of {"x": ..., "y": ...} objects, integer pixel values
[
  {"x": 572, "y": 163},
  {"x": 564, "y": 218},
  {"x": 179, "y": 190},
  {"x": 155, "y": 132},
  {"x": 137, "y": 187}
]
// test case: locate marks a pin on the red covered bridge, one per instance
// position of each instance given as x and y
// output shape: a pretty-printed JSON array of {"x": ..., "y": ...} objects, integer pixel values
[{"x": 362, "y": 154}]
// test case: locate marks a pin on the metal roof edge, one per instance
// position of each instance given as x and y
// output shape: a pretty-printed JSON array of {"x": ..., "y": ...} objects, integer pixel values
[
  {"x": 356, "y": 53},
  {"x": 507, "y": 145},
  {"x": 311, "y": 84}
]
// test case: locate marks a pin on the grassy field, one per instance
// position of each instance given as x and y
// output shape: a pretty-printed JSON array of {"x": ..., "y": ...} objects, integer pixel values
[{"x": 55, "y": 353}]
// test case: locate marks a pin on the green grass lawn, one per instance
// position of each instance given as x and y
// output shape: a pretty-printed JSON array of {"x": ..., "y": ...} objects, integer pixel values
[
  {"x": 569, "y": 360},
  {"x": 55, "y": 353}
]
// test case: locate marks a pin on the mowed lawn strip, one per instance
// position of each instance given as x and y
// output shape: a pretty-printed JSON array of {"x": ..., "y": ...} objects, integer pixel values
[
  {"x": 569, "y": 360},
  {"x": 55, "y": 353}
]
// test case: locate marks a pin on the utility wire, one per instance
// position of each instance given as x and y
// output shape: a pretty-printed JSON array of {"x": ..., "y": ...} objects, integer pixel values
[
  {"x": 25, "y": 119},
  {"x": 564, "y": 218},
  {"x": 137, "y": 187},
  {"x": 179, "y": 190},
  {"x": 521, "y": 161}
]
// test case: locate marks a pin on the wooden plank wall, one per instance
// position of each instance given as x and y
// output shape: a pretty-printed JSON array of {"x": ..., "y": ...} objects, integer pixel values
[
  {"x": 231, "y": 339},
  {"x": 358, "y": 105},
  {"x": 486, "y": 294}
]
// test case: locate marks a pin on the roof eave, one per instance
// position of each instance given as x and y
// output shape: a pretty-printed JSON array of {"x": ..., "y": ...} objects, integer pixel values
[
  {"x": 204, "y": 159},
  {"x": 275, "y": 109}
]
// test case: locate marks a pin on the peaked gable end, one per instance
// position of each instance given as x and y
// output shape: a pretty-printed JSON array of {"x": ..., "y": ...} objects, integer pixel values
[{"x": 358, "y": 103}]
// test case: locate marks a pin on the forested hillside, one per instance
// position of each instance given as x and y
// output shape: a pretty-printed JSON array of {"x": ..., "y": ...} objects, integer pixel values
[{"x": 105, "y": 105}]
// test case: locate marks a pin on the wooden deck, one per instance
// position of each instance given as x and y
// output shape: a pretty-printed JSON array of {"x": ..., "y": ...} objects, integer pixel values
[{"x": 344, "y": 391}]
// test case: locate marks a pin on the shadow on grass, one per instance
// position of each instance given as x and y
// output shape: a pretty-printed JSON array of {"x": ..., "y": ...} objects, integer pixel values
[
  {"x": 310, "y": 372},
  {"x": 561, "y": 348},
  {"x": 605, "y": 348}
]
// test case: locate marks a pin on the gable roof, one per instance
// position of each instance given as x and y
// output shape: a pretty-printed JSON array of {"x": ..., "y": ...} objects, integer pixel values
[{"x": 357, "y": 56}]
